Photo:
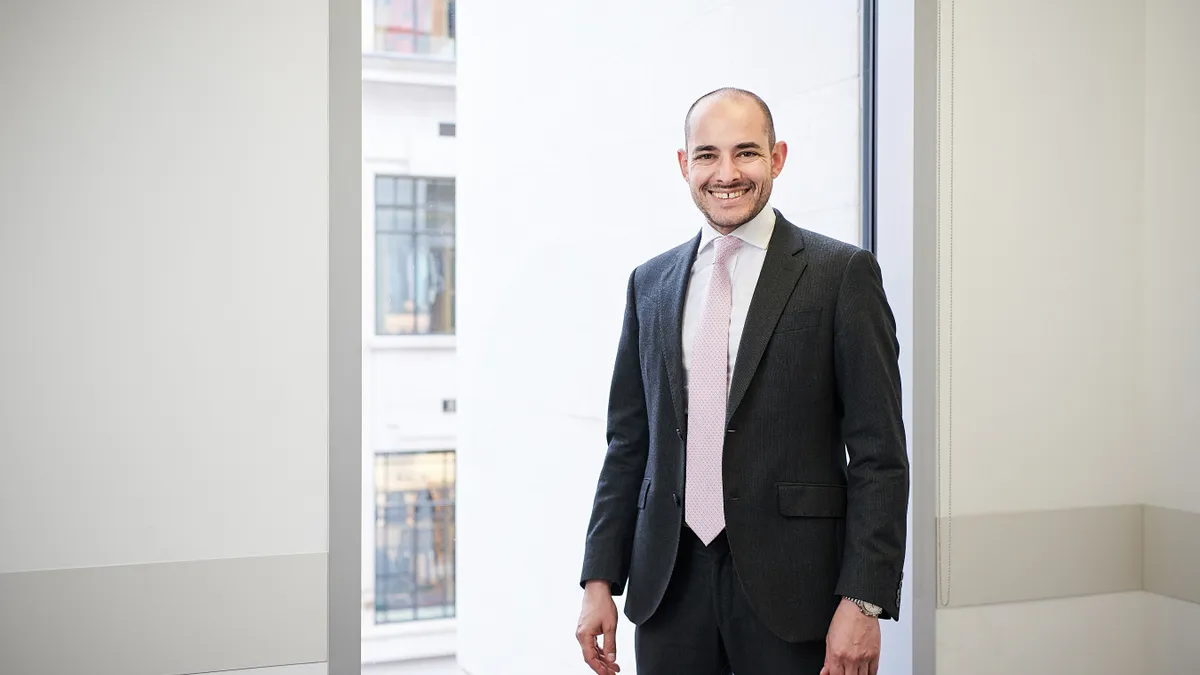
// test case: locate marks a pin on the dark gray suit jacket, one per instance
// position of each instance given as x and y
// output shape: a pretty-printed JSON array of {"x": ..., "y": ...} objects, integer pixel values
[{"x": 816, "y": 377}]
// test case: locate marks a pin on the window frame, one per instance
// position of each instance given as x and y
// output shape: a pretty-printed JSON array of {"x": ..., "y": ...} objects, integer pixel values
[
  {"x": 371, "y": 28},
  {"x": 372, "y": 172},
  {"x": 449, "y": 459},
  {"x": 405, "y": 640}
]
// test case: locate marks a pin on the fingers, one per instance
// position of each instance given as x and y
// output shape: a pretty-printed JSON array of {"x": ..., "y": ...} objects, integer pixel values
[
  {"x": 610, "y": 649},
  {"x": 602, "y": 662},
  {"x": 835, "y": 665},
  {"x": 591, "y": 653},
  {"x": 873, "y": 667}
]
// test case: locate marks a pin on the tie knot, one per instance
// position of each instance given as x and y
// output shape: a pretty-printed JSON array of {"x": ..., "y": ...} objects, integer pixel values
[{"x": 725, "y": 247}]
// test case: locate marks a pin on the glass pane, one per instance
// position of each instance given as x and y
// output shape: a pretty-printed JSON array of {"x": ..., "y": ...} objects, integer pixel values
[
  {"x": 414, "y": 530},
  {"x": 425, "y": 14},
  {"x": 394, "y": 285},
  {"x": 385, "y": 219},
  {"x": 441, "y": 193},
  {"x": 422, "y": 192},
  {"x": 434, "y": 283},
  {"x": 395, "y": 23},
  {"x": 441, "y": 33},
  {"x": 403, "y": 219},
  {"x": 385, "y": 190},
  {"x": 404, "y": 191},
  {"x": 440, "y": 222},
  {"x": 415, "y": 27}
]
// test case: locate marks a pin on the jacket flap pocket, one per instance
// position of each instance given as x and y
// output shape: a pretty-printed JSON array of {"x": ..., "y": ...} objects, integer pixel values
[
  {"x": 808, "y": 500},
  {"x": 797, "y": 320},
  {"x": 643, "y": 493}
]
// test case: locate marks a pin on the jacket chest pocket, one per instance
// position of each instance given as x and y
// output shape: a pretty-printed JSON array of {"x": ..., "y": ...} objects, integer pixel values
[{"x": 791, "y": 322}]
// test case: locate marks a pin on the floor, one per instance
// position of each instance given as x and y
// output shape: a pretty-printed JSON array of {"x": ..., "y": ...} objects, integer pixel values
[{"x": 444, "y": 666}]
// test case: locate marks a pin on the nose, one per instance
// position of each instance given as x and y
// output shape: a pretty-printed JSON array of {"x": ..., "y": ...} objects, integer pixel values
[{"x": 727, "y": 171}]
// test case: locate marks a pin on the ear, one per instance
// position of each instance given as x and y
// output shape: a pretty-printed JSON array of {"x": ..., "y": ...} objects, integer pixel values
[
  {"x": 683, "y": 163},
  {"x": 778, "y": 158}
]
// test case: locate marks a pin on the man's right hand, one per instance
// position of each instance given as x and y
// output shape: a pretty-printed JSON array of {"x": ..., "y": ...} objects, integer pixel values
[{"x": 598, "y": 617}]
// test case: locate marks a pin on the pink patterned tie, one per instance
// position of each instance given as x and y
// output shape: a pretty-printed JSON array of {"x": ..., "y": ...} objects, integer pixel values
[{"x": 708, "y": 396}]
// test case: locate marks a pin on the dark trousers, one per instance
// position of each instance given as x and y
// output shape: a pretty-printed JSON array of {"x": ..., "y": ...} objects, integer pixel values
[{"x": 705, "y": 625}]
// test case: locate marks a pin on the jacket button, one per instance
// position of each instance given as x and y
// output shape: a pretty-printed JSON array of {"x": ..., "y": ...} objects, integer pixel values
[
  {"x": 679, "y": 433},
  {"x": 675, "y": 498}
]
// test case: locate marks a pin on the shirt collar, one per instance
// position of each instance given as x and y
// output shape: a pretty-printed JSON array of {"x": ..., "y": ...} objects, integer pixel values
[{"x": 756, "y": 231}]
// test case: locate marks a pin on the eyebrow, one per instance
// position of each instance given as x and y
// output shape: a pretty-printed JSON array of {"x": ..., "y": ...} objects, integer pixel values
[{"x": 747, "y": 145}]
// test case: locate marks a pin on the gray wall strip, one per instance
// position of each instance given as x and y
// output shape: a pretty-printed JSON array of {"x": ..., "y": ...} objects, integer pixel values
[
  {"x": 345, "y": 338},
  {"x": 1172, "y": 553},
  {"x": 1015, "y": 557},
  {"x": 165, "y": 618},
  {"x": 924, "y": 348}
]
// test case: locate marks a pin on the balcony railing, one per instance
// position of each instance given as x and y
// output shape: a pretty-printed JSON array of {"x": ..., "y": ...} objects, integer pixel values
[{"x": 415, "y": 27}]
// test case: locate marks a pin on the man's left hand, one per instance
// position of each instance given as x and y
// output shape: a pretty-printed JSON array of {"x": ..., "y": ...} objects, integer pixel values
[{"x": 852, "y": 646}]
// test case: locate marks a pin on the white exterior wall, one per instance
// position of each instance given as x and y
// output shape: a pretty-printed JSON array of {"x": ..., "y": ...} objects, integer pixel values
[{"x": 406, "y": 377}]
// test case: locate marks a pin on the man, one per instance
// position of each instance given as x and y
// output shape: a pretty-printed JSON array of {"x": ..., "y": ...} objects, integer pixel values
[{"x": 752, "y": 360}]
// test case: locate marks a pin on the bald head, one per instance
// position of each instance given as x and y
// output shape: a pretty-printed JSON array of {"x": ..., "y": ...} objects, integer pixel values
[
  {"x": 728, "y": 93},
  {"x": 730, "y": 158}
]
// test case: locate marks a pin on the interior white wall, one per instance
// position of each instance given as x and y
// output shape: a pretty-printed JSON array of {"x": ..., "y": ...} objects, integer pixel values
[
  {"x": 1040, "y": 210},
  {"x": 1041, "y": 144},
  {"x": 302, "y": 669},
  {"x": 1170, "y": 631},
  {"x": 1100, "y": 634},
  {"x": 1171, "y": 290},
  {"x": 164, "y": 257},
  {"x": 569, "y": 118},
  {"x": 163, "y": 270}
]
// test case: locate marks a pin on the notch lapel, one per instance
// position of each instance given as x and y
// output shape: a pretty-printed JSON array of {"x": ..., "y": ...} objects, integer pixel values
[
  {"x": 784, "y": 263},
  {"x": 670, "y": 324}
]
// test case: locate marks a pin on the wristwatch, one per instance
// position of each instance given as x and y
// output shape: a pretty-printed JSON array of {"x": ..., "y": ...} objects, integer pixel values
[{"x": 867, "y": 608}]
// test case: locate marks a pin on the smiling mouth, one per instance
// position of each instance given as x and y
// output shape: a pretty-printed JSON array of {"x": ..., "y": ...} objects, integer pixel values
[{"x": 728, "y": 195}]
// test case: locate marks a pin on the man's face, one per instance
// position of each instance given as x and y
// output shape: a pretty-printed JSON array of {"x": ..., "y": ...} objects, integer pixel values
[{"x": 727, "y": 163}]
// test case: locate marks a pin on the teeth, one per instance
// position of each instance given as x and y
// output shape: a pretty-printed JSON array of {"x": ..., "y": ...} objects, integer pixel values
[{"x": 729, "y": 195}]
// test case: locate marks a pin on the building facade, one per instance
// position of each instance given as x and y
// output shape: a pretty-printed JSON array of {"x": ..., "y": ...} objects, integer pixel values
[{"x": 409, "y": 438}]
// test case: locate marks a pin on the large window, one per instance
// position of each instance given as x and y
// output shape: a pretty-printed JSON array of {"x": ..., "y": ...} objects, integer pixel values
[
  {"x": 424, "y": 27},
  {"x": 414, "y": 255},
  {"x": 414, "y": 536}
]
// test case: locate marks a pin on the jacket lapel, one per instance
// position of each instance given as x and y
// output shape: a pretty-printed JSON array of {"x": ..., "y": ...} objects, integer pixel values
[
  {"x": 670, "y": 322},
  {"x": 784, "y": 263}
]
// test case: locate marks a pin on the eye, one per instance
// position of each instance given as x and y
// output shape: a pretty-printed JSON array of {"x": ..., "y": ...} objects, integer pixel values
[
  {"x": 705, "y": 155},
  {"x": 749, "y": 153}
]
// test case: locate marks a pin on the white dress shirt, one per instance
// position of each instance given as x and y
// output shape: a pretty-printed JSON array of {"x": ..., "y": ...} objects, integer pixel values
[{"x": 745, "y": 265}]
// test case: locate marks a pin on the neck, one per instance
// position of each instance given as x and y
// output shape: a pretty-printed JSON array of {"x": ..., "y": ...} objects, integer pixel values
[{"x": 727, "y": 230}]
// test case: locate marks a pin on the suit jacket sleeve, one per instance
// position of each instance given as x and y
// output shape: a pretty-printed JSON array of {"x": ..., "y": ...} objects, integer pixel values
[
  {"x": 866, "y": 361},
  {"x": 609, "y": 542}
]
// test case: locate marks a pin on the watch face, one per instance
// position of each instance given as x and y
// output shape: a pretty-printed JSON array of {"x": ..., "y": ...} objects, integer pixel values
[{"x": 868, "y": 608}]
